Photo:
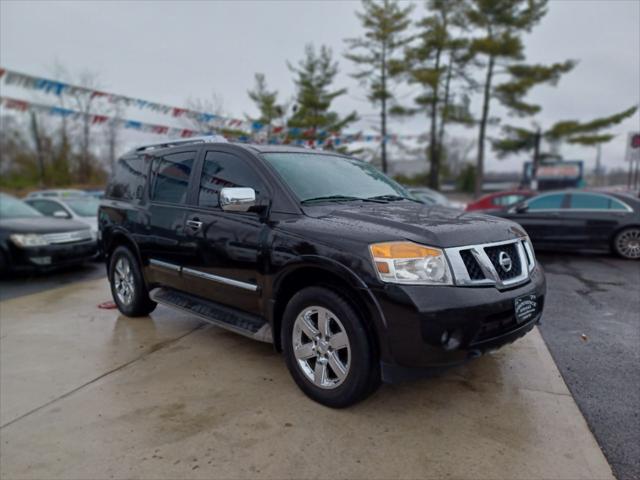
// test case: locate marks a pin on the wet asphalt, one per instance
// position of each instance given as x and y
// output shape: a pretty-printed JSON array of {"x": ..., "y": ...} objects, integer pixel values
[{"x": 591, "y": 326}]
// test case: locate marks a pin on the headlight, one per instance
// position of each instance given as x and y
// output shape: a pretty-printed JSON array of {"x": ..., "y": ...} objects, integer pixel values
[
  {"x": 531, "y": 256},
  {"x": 28, "y": 240},
  {"x": 410, "y": 263}
]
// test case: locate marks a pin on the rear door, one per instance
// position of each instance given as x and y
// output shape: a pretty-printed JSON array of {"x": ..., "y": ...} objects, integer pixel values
[
  {"x": 595, "y": 217},
  {"x": 228, "y": 263},
  {"x": 166, "y": 246}
]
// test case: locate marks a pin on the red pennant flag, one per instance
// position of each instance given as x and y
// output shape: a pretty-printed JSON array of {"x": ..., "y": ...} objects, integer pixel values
[
  {"x": 187, "y": 133},
  {"x": 160, "y": 129},
  {"x": 178, "y": 112},
  {"x": 98, "y": 119},
  {"x": 16, "y": 104}
]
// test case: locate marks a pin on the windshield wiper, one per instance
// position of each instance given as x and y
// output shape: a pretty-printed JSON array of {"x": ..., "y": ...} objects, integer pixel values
[
  {"x": 392, "y": 198},
  {"x": 340, "y": 198}
]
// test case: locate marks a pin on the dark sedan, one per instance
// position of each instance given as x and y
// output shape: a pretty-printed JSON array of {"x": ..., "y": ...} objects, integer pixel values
[
  {"x": 29, "y": 240},
  {"x": 581, "y": 220}
]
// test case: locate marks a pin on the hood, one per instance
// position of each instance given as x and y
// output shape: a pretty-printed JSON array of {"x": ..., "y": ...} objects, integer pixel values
[
  {"x": 40, "y": 225},
  {"x": 92, "y": 222},
  {"x": 432, "y": 225}
]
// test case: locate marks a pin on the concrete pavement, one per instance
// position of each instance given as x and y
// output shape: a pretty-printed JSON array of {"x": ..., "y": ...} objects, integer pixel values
[{"x": 87, "y": 393}]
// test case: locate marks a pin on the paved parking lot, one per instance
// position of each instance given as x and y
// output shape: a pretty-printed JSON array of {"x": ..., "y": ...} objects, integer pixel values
[
  {"x": 86, "y": 393},
  {"x": 598, "y": 296}
]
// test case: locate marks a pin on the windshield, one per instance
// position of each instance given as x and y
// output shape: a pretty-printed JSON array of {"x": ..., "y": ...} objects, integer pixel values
[
  {"x": 13, "y": 208},
  {"x": 84, "y": 207},
  {"x": 324, "y": 176}
]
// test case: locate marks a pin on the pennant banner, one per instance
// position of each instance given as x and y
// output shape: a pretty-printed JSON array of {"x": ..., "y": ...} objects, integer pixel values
[
  {"x": 96, "y": 119},
  {"x": 213, "y": 122}
]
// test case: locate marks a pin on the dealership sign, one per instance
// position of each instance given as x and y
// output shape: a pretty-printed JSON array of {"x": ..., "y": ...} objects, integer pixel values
[{"x": 633, "y": 147}]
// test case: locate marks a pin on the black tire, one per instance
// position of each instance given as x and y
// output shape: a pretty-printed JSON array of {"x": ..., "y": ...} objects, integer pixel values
[
  {"x": 363, "y": 375},
  {"x": 626, "y": 243},
  {"x": 4, "y": 264},
  {"x": 138, "y": 303}
]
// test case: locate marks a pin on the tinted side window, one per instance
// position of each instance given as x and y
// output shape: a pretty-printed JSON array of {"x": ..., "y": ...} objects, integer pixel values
[
  {"x": 171, "y": 177},
  {"x": 222, "y": 170},
  {"x": 586, "y": 201},
  {"x": 46, "y": 207},
  {"x": 507, "y": 199},
  {"x": 547, "y": 202},
  {"x": 129, "y": 178}
]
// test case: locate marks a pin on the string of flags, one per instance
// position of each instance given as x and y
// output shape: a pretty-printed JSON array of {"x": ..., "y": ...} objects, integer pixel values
[
  {"x": 214, "y": 123},
  {"x": 97, "y": 119}
]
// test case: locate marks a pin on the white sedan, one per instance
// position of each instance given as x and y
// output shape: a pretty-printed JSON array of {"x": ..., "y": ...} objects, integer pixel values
[{"x": 82, "y": 208}]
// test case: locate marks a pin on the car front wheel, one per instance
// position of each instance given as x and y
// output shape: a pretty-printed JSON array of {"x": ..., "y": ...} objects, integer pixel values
[
  {"x": 626, "y": 243},
  {"x": 327, "y": 348}
]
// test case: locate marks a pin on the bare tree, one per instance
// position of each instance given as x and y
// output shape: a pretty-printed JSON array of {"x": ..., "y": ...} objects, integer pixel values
[
  {"x": 112, "y": 134},
  {"x": 212, "y": 106},
  {"x": 84, "y": 102}
]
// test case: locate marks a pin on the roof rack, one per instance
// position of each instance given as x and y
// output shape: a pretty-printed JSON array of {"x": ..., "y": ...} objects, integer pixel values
[{"x": 181, "y": 141}]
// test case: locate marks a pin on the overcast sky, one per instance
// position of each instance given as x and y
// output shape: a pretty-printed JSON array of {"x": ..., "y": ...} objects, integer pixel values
[{"x": 170, "y": 51}]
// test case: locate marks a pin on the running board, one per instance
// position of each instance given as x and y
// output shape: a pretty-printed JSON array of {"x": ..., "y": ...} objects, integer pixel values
[{"x": 251, "y": 326}]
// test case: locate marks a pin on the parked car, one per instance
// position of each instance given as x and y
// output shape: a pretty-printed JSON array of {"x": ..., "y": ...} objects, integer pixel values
[
  {"x": 352, "y": 279},
  {"x": 95, "y": 193},
  {"x": 582, "y": 220},
  {"x": 499, "y": 200},
  {"x": 31, "y": 241},
  {"x": 429, "y": 196},
  {"x": 82, "y": 208},
  {"x": 57, "y": 193}
]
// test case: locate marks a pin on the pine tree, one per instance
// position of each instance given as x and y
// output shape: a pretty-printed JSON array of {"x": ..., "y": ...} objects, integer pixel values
[
  {"x": 438, "y": 63},
  {"x": 502, "y": 24},
  {"x": 267, "y": 103},
  {"x": 385, "y": 24},
  {"x": 522, "y": 140},
  {"x": 314, "y": 77}
]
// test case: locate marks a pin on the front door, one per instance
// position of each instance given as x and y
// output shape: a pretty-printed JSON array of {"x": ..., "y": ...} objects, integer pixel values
[
  {"x": 543, "y": 219},
  {"x": 227, "y": 267}
]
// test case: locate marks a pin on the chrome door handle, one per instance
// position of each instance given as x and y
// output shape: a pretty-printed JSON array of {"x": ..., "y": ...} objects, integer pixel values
[{"x": 195, "y": 224}]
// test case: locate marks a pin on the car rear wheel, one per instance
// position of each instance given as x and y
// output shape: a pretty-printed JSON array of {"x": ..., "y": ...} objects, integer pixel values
[
  {"x": 627, "y": 243},
  {"x": 4, "y": 264},
  {"x": 127, "y": 284},
  {"x": 327, "y": 348}
]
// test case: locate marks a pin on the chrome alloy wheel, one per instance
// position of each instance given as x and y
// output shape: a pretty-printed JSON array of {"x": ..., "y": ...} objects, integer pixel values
[
  {"x": 123, "y": 281},
  {"x": 321, "y": 347},
  {"x": 628, "y": 243}
]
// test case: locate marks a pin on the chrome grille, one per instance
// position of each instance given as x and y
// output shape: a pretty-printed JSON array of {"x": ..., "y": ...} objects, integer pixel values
[
  {"x": 68, "y": 237},
  {"x": 501, "y": 264},
  {"x": 515, "y": 268}
]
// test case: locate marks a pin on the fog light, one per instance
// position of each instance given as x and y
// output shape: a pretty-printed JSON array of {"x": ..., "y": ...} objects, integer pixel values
[
  {"x": 454, "y": 341},
  {"x": 41, "y": 260}
]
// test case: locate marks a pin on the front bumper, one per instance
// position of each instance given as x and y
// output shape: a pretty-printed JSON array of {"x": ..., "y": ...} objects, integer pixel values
[
  {"x": 51, "y": 256},
  {"x": 418, "y": 320}
]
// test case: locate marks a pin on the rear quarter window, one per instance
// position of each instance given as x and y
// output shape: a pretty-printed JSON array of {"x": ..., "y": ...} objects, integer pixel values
[{"x": 129, "y": 178}]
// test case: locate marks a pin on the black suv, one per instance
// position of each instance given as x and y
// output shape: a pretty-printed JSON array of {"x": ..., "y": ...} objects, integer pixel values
[{"x": 336, "y": 264}]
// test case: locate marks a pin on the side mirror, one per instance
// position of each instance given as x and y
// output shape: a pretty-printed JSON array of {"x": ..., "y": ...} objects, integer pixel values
[
  {"x": 61, "y": 214},
  {"x": 237, "y": 199},
  {"x": 521, "y": 208}
]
